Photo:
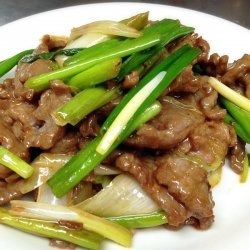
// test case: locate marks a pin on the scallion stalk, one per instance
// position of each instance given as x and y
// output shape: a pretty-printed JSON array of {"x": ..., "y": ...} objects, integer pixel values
[
  {"x": 8, "y": 64},
  {"x": 50, "y": 55},
  {"x": 160, "y": 67},
  {"x": 86, "y": 159},
  {"x": 141, "y": 221},
  {"x": 124, "y": 48},
  {"x": 230, "y": 94},
  {"x": 91, "y": 222},
  {"x": 137, "y": 59},
  {"x": 16, "y": 164},
  {"x": 97, "y": 74},
  {"x": 238, "y": 129},
  {"x": 82, "y": 104},
  {"x": 127, "y": 113},
  {"x": 239, "y": 114},
  {"x": 48, "y": 229}
]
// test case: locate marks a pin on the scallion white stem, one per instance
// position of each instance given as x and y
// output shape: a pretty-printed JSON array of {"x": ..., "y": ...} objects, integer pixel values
[
  {"x": 230, "y": 94},
  {"x": 91, "y": 222},
  {"x": 16, "y": 164},
  {"x": 126, "y": 114}
]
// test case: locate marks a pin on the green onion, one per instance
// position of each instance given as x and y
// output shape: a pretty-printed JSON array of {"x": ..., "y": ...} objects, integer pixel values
[
  {"x": 238, "y": 129},
  {"x": 240, "y": 115},
  {"x": 50, "y": 55},
  {"x": 230, "y": 94},
  {"x": 16, "y": 164},
  {"x": 82, "y": 104},
  {"x": 138, "y": 21},
  {"x": 141, "y": 221},
  {"x": 37, "y": 210},
  {"x": 173, "y": 32},
  {"x": 125, "y": 48},
  {"x": 81, "y": 164},
  {"x": 244, "y": 174},
  {"x": 79, "y": 237},
  {"x": 127, "y": 113},
  {"x": 8, "y": 64},
  {"x": 92, "y": 51},
  {"x": 144, "y": 95},
  {"x": 87, "y": 158},
  {"x": 170, "y": 62},
  {"x": 97, "y": 74}
]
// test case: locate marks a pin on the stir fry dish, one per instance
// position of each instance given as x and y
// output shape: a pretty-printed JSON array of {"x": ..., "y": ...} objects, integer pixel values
[{"x": 119, "y": 126}]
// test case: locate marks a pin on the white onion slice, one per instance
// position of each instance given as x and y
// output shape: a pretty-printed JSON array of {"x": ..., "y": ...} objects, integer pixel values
[{"x": 123, "y": 196}]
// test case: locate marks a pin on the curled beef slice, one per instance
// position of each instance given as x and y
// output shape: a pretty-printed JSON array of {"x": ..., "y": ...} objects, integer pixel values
[
  {"x": 89, "y": 126},
  {"x": 205, "y": 99},
  {"x": 238, "y": 74},
  {"x": 216, "y": 65},
  {"x": 131, "y": 80},
  {"x": 46, "y": 133},
  {"x": 9, "y": 192},
  {"x": 175, "y": 121},
  {"x": 237, "y": 154},
  {"x": 210, "y": 141},
  {"x": 186, "y": 82},
  {"x": 193, "y": 40},
  {"x": 143, "y": 170},
  {"x": 67, "y": 144},
  {"x": 187, "y": 183},
  {"x": 10, "y": 142}
]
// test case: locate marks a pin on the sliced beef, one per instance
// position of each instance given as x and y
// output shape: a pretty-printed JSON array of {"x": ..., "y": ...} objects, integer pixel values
[
  {"x": 210, "y": 141},
  {"x": 170, "y": 127},
  {"x": 9, "y": 192},
  {"x": 237, "y": 155},
  {"x": 143, "y": 170},
  {"x": 206, "y": 98},
  {"x": 9, "y": 141},
  {"x": 187, "y": 183},
  {"x": 68, "y": 144},
  {"x": 216, "y": 65},
  {"x": 238, "y": 75},
  {"x": 193, "y": 40},
  {"x": 89, "y": 126},
  {"x": 46, "y": 133},
  {"x": 131, "y": 80}
]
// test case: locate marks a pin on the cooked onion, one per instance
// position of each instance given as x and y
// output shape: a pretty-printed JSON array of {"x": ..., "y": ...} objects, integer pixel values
[
  {"x": 45, "y": 165},
  {"x": 105, "y": 27},
  {"x": 123, "y": 196}
]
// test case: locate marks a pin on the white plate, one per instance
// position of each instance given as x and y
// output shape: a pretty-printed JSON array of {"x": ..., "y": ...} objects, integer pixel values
[{"x": 232, "y": 225}]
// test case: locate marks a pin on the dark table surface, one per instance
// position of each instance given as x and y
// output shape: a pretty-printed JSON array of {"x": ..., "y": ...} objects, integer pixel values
[{"x": 237, "y": 11}]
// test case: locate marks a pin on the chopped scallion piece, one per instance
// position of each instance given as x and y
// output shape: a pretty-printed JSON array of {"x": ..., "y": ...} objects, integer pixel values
[
  {"x": 16, "y": 164},
  {"x": 230, "y": 94},
  {"x": 126, "y": 114}
]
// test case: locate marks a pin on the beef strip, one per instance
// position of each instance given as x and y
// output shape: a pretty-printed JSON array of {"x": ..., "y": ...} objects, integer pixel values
[
  {"x": 89, "y": 126},
  {"x": 186, "y": 82},
  {"x": 188, "y": 184},
  {"x": 9, "y": 192},
  {"x": 143, "y": 170},
  {"x": 46, "y": 133},
  {"x": 68, "y": 144},
  {"x": 210, "y": 141},
  {"x": 170, "y": 127},
  {"x": 193, "y": 40},
  {"x": 216, "y": 65},
  {"x": 237, "y": 155},
  {"x": 206, "y": 98},
  {"x": 238, "y": 75},
  {"x": 131, "y": 80}
]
